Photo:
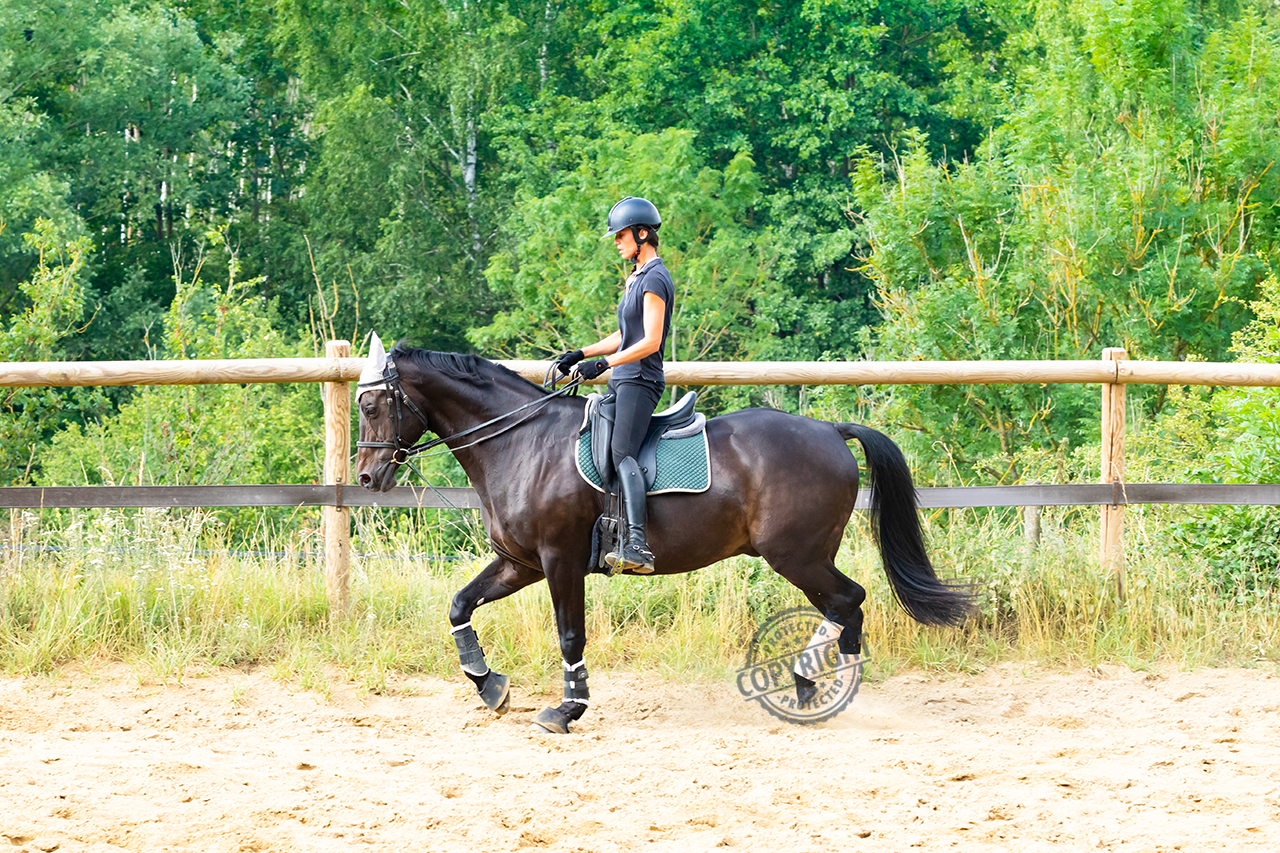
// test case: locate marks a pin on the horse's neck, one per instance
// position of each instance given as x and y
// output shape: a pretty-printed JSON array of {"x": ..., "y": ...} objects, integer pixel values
[{"x": 457, "y": 406}]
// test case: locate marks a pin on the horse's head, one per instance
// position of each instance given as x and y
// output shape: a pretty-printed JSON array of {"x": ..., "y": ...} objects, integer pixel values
[{"x": 388, "y": 423}]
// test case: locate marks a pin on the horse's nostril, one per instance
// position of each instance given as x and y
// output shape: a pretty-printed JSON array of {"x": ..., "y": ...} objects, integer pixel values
[{"x": 364, "y": 480}]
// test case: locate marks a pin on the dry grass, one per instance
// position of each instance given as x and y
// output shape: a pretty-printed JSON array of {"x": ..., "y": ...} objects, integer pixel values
[{"x": 163, "y": 592}]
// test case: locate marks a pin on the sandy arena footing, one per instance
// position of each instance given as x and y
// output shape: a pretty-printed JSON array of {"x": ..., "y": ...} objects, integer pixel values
[{"x": 1015, "y": 758}]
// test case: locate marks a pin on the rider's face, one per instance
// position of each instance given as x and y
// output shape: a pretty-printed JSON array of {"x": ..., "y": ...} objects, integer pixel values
[{"x": 626, "y": 243}]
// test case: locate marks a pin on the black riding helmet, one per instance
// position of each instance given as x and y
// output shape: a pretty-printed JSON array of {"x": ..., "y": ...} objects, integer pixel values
[{"x": 632, "y": 213}]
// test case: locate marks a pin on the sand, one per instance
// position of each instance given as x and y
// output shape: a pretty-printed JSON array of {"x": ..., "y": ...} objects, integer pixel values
[{"x": 1013, "y": 758}]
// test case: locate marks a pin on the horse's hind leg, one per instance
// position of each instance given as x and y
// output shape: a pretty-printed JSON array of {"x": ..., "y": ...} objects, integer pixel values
[
  {"x": 837, "y": 598},
  {"x": 497, "y": 580}
]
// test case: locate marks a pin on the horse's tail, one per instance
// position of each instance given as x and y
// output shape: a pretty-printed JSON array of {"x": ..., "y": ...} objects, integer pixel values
[{"x": 895, "y": 523}]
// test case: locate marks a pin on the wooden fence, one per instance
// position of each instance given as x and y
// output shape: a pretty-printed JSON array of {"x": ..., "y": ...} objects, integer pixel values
[{"x": 338, "y": 369}]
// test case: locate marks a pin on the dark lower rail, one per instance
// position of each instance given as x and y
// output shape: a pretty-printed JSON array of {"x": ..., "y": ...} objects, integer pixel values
[
  {"x": 1118, "y": 494},
  {"x": 85, "y": 497}
]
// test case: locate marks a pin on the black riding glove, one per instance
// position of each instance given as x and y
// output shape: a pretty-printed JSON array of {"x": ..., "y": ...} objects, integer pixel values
[
  {"x": 565, "y": 362},
  {"x": 592, "y": 369}
]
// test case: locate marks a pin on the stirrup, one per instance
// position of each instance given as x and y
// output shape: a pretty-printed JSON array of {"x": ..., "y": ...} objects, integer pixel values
[{"x": 638, "y": 561}]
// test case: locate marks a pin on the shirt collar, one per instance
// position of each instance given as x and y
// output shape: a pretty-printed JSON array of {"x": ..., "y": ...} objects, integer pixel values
[{"x": 636, "y": 274}]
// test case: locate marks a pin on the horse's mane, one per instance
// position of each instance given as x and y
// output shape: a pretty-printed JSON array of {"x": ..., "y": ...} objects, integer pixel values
[{"x": 459, "y": 365}]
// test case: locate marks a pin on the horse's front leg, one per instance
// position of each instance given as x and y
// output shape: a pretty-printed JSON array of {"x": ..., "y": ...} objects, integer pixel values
[
  {"x": 566, "y": 578},
  {"x": 497, "y": 580}
]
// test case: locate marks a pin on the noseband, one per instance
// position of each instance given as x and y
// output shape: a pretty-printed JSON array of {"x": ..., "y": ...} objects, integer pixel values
[{"x": 402, "y": 450}]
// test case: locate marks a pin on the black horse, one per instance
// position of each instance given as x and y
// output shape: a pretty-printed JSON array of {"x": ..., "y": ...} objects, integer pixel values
[{"x": 782, "y": 488}]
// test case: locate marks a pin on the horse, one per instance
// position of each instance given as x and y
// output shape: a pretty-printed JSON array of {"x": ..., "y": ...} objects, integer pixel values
[{"x": 782, "y": 488}]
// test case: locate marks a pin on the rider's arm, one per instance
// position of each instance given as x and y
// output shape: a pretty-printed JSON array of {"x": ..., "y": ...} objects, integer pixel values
[
  {"x": 608, "y": 345},
  {"x": 654, "y": 318}
]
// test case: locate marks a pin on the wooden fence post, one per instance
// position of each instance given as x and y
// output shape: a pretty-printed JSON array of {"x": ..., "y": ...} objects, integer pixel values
[
  {"x": 1112, "y": 533},
  {"x": 337, "y": 469}
]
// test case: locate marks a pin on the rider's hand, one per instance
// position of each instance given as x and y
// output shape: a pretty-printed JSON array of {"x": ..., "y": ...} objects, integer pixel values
[
  {"x": 565, "y": 362},
  {"x": 592, "y": 369}
]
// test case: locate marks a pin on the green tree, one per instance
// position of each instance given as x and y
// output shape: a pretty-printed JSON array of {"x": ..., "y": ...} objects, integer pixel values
[
  {"x": 1119, "y": 205},
  {"x": 272, "y": 143},
  {"x": 798, "y": 87},
  {"x": 29, "y": 190},
  {"x": 55, "y": 306},
  {"x": 203, "y": 434},
  {"x": 130, "y": 118},
  {"x": 562, "y": 280},
  {"x": 405, "y": 195},
  {"x": 1233, "y": 436}
]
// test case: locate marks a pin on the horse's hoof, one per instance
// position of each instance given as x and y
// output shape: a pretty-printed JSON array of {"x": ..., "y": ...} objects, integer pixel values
[
  {"x": 552, "y": 720},
  {"x": 496, "y": 693},
  {"x": 806, "y": 692}
]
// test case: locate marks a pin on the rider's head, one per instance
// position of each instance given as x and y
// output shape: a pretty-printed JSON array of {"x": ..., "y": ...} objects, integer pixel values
[{"x": 637, "y": 216}]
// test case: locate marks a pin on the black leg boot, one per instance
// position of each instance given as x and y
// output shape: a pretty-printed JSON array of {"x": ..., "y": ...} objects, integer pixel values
[{"x": 635, "y": 556}]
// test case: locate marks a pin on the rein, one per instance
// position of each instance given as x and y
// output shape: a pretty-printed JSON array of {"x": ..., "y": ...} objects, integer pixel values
[{"x": 403, "y": 451}]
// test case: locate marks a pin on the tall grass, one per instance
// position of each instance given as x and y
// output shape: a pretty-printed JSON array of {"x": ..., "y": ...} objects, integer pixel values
[
  {"x": 166, "y": 593},
  {"x": 1052, "y": 604}
]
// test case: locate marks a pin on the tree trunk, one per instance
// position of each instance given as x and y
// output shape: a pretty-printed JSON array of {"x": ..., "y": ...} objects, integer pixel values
[{"x": 469, "y": 176}]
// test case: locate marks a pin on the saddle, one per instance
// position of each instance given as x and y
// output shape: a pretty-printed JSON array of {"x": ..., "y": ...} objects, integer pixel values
[{"x": 679, "y": 432}]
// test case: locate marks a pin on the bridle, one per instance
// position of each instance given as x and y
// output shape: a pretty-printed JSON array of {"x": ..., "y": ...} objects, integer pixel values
[
  {"x": 399, "y": 400},
  {"x": 402, "y": 450}
]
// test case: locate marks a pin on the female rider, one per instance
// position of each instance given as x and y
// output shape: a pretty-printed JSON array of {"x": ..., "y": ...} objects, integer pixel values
[{"x": 634, "y": 352}]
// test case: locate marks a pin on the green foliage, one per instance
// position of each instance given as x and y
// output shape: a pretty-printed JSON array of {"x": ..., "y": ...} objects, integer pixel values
[
  {"x": 28, "y": 190},
  {"x": 1237, "y": 434},
  {"x": 204, "y": 434},
  {"x": 1120, "y": 205},
  {"x": 127, "y": 120},
  {"x": 406, "y": 195},
  {"x": 562, "y": 278},
  {"x": 798, "y": 88},
  {"x": 55, "y": 295},
  {"x": 55, "y": 304},
  {"x": 381, "y": 149}
]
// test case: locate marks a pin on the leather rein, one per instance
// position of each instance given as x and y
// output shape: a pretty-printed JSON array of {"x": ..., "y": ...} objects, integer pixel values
[{"x": 402, "y": 450}]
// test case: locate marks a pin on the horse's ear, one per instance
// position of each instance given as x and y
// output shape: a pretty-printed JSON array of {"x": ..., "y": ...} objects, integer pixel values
[{"x": 371, "y": 378}]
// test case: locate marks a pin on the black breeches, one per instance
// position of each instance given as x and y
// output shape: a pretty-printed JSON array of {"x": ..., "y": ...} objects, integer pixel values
[{"x": 637, "y": 400}]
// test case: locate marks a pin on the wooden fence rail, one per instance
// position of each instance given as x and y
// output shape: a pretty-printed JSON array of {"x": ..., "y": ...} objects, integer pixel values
[
  {"x": 338, "y": 369},
  {"x": 63, "y": 374},
  {"x": 453, "y": 497}
]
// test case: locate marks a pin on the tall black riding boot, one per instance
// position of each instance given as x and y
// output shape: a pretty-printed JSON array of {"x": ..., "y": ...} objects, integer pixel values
[{"x": 635, "y": 556}]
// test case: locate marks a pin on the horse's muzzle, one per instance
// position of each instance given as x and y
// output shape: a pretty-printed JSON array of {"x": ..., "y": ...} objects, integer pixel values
[{"x": 381, "y": 479}]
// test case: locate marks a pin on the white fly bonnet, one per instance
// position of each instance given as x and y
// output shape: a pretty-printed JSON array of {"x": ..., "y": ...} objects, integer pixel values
[{"x": 371, "y": 378}]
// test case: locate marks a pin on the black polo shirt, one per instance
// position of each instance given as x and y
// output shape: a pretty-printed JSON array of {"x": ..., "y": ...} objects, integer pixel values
[{"x": 653, "y": 278}]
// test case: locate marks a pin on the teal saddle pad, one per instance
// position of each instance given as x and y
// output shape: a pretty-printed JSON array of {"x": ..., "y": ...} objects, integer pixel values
[{"x": 683, "y": 462}]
